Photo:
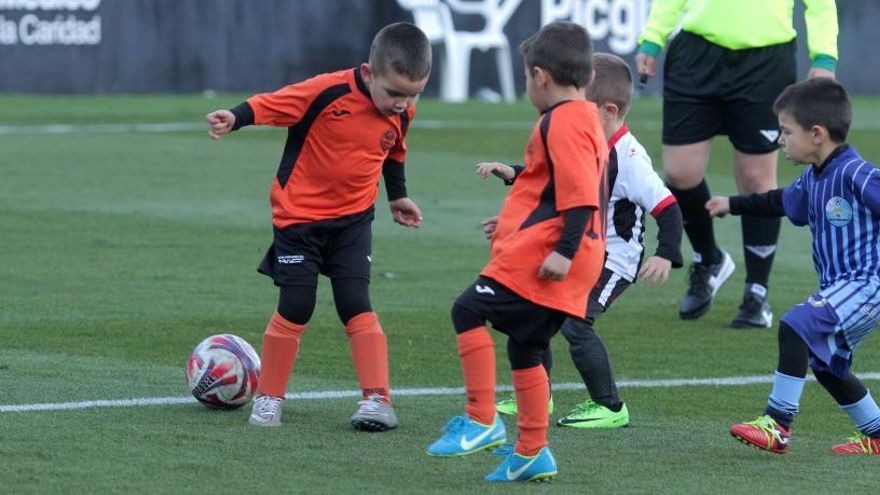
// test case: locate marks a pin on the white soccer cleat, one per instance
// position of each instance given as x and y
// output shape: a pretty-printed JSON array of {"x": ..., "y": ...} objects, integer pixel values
[
  {"x": 374, "y": 414},
  {"x": 267, "y": 411}
]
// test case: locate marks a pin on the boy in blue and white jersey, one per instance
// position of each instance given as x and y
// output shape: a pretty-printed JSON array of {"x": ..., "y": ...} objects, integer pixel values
[{"x": 838, "y": 196}]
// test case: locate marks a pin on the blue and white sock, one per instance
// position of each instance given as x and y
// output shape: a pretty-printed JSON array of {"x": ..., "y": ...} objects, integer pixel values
[
  {"x": 782, "y": 405},
  {"x": 866, "y": 415}
]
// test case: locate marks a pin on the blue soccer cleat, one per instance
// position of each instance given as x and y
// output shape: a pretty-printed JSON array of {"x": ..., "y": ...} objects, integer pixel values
[
  {"x": 517, "y": 467},
  {"x": 463, "y": 436}
]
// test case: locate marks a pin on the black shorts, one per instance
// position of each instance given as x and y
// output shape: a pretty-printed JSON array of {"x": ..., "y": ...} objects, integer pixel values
[
  {"x": 524, "y": 321},
  {"x": 710, "y": 90},
  {"x": 337, "y": 248},
  {"x": 606, "y": 290}
]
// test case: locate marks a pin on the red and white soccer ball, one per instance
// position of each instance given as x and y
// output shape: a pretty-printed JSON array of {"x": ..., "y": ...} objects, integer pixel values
[{"x": 222, "y": 371}]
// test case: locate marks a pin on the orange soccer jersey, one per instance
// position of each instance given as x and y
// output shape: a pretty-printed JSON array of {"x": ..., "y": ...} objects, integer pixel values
[
  {"x": 564, "y": 168},
  {"x": 337, "y": 142}
]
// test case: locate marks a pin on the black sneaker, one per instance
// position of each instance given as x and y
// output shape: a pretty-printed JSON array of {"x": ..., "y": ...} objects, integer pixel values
[
  {"x": 754, "y": 310},
  {"x": 705, "y": 280}
]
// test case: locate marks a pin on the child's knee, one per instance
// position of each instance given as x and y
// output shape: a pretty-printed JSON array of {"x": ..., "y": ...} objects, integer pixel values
[
  {"x": 464, "y": 319},
  {"x": 576, "y": 330}
]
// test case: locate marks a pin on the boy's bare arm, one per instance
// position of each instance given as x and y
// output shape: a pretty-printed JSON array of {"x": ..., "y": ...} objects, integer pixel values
[{"x": 220, "y": 123}]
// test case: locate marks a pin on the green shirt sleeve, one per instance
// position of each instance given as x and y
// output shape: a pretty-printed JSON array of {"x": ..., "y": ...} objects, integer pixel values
[
  {"x": 662, "y": 20},
  {"x": 822, "y": 30}
]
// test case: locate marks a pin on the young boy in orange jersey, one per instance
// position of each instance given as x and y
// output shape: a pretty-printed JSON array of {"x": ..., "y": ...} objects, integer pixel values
[
  {"x": 546, "y": 254},
  {"x": 345, "y": 129},
  {"x": 636, "y": 190}
]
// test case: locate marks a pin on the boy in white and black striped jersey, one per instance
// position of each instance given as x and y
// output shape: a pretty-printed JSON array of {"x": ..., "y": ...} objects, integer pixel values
[{"x": 636, "y": 189}]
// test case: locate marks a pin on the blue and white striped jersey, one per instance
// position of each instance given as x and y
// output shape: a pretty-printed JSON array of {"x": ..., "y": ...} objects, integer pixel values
[{"x": 841, "y": 204}]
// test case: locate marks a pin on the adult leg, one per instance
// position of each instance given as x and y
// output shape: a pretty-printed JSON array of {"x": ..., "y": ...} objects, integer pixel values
[
  {"x": 756, "y": 173},
  {"x": 685, "y": 166}
]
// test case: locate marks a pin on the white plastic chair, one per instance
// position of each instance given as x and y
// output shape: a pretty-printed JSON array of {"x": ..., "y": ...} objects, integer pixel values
[{"x": 434, "y": 17}]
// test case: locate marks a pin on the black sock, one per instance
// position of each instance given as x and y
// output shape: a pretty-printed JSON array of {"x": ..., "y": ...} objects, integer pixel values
[
  {"x": 782, "y": 418},
  {"x": 759, "y": 245},
  {"x": 697, "y": 222}
]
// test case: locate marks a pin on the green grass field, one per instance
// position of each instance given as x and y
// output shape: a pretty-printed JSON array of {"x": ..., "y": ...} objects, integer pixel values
[{"x": 119, "y": 251}]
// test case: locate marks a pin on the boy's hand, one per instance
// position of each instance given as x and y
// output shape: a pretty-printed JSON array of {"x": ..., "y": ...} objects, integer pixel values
[
  {"x": 405, "y": 212},
  {"x": 555, "y": 267},
  {"x": 718, "y": 206},
  {"x": 497, "y": 169},
  {"x": 489, "y": 226},
  {"x": 220, "y": 122},
  {"x": 655, "y": 270}
]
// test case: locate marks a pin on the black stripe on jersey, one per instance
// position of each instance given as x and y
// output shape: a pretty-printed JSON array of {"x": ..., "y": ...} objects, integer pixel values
[
  {"x": 624, "y": 219},
  {"x": 404, "y": 123},
  {"x": 612, "y": 168},
  {"x": 360, "y": 82},
  {"x": 546, "y": 208},
  {"x": 297, "y": 134}
]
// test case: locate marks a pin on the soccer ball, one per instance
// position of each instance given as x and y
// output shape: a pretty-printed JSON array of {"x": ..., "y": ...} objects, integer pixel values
[{"x": 222, "y": 372}]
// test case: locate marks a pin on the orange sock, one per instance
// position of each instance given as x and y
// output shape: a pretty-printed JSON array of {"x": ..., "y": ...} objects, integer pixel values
[
  {"x": 369, "y": 351},
  {"x": 477, "y": 351},
  {"x": 532, "y": 388},
  {"x": 280, "y": 348}
]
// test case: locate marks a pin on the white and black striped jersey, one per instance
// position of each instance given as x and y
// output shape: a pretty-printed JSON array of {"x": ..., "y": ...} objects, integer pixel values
[{"x": 635, "y": 189}]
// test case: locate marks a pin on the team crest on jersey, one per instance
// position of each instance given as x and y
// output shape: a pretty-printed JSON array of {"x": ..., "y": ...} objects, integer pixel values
[
  {"x": 838, "y": 211},
  {"x": 388, "y": 139}
]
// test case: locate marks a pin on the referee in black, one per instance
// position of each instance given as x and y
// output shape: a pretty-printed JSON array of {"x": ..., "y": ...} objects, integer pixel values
[{"x": 723, "y": 71}]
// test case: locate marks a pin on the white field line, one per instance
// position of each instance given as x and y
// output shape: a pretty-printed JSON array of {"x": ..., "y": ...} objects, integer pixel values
[
  {"x": 428, "y": 124},
  {"x": 420, "y": 392}
]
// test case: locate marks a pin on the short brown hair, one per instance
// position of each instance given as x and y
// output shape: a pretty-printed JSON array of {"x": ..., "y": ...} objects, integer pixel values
[
  {"x": 613, "y": 82},
  {"x": 563, "y": 49},
  {"x": 818, "y": 101},
  {"x": 403, "y": 48}
]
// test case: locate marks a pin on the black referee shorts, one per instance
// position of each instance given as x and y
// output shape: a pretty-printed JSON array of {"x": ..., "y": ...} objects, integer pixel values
[
  {"x": 710, "y": 90},
  {"x": 337, "y": 248}
]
